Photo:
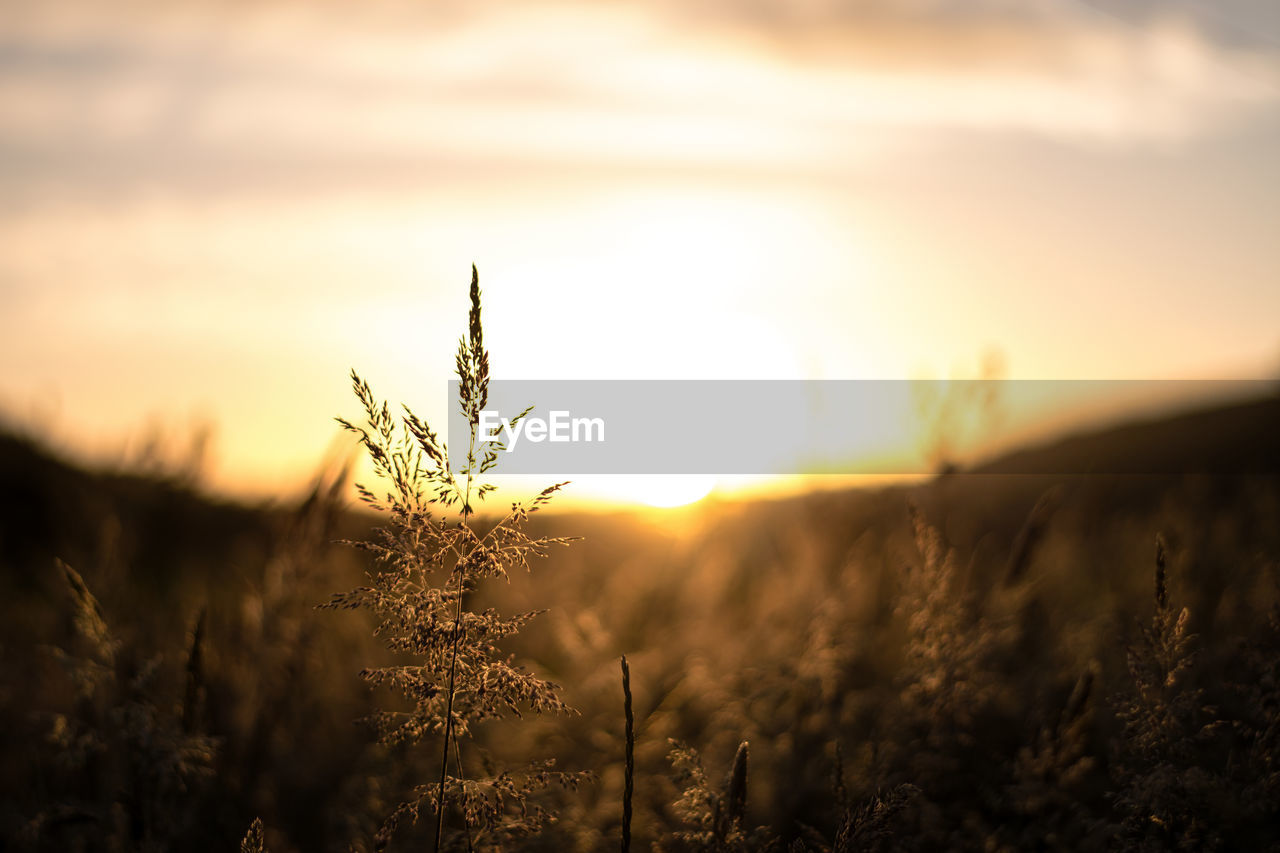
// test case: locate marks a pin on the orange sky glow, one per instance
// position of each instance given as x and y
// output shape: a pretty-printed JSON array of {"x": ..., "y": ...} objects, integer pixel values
[{"x": 214, "y": 210}]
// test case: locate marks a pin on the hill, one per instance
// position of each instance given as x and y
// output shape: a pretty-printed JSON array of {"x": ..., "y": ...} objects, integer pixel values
[{"x": 931, "y": 636}]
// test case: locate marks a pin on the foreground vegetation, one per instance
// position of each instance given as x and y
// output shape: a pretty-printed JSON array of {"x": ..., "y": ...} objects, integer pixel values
[
  {"x": 989, "y": 673},
  {"x": 994, "y": 662}
]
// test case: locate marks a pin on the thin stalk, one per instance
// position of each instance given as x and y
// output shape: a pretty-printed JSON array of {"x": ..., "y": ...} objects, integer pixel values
[
  {"x": 457, "y": 757},
  {"x": 453, "y": 658},
  {"x": 629, "y": 784}
]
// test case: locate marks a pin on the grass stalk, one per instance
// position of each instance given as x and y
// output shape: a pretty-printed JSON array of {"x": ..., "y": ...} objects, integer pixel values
[
  {"x": 629, "y": 784},
  {"x": 453, "y": 655}
]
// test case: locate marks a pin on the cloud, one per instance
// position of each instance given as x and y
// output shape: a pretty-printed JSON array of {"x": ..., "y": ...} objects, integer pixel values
[
  {"x": 135, "y": 91},
  {"x": 966, "y": 24}
]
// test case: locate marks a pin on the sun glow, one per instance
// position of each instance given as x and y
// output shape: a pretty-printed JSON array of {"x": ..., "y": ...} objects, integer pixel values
[
  {"x": 658, "y": 491},
  {"x": 670, "y": 284},
  {"x": 663, "y": 491}
]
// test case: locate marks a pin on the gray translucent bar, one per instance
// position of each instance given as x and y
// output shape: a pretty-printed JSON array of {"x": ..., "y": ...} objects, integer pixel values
[{"x": 907, "y": 427}]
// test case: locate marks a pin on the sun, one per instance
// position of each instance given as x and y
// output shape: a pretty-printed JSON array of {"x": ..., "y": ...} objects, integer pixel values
[
  {"x": 660, "y": 491},
  {"x": 663, "y": 491}
]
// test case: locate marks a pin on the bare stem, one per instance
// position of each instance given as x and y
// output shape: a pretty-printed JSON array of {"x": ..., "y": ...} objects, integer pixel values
[
  {"x": 448, "y": 717},
  {"x": 629, "y": 784},
  {"x": 453, "y": 657}
]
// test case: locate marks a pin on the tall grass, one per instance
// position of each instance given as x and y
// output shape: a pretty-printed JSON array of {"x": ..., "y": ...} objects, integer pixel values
[
  {"x": 432, "y": 555},
  {"x": 970, "y": 664}
]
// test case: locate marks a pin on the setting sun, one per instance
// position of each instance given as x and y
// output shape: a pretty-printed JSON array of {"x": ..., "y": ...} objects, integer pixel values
[
  {"x": 548, "y": 425},
  {"x": 661, "y": 491}
]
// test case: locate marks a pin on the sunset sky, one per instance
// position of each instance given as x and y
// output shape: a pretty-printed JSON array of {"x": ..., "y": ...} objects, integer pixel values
[{"x": 212, "y": 211}]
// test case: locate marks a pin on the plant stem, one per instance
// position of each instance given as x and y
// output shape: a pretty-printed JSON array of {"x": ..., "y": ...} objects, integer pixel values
[
  {"x": 466, "y": 823},
  {"x": 457, "y": 635},
  {"x": 448, "y": 718},
  {"x": 629, "y": 784}
]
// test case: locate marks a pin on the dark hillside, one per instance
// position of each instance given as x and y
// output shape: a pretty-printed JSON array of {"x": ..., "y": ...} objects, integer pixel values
[{"x": 966, "y": 638}]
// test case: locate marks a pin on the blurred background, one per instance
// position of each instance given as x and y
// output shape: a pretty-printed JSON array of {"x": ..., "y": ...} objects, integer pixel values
[
  {"x": 211, "y": 211},
  {"x": 214, "y": 209}
]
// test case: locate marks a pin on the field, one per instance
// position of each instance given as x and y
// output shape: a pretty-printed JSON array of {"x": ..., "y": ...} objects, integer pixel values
[
  {"x": 940, "y": 503},
  {"x": 986, "y": 661}
]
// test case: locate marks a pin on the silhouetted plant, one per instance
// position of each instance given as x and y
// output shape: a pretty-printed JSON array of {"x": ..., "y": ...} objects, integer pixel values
[
  {"x": 1052, "y": 776},
  {"x": 714, "y": 818},
  {"x": 947, "y": 686},
  {"x": 255, "y": 839},
  {"x": 871, "y": 825},
  {"x": 629, "y": 757},
  {"x": 427, "y": 565},
  {"x": 1169, "y": 795},
  {"x": 128, "y": 753}
]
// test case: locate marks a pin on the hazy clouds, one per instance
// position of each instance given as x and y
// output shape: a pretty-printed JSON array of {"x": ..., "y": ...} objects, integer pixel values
[{"x": 218, "y": 93}]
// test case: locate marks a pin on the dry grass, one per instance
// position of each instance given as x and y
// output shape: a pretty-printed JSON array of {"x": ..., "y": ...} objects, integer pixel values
[{"x": 431, "y": 556}]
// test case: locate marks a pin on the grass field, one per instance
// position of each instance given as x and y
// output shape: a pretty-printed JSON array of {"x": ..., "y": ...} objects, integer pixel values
[
  {"x": 940, "y": 506},
  {"x": 986, "y": 661}
]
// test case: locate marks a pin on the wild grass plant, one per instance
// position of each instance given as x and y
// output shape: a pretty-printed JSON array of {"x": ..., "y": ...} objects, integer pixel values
[
  {"x": 132, "y": 763},
  {"x": 255, "y": 839},
  {"x": 432, "y": 555},
  {"x": 714, "y": 817},
  {"x": 1171, "y": 789}
]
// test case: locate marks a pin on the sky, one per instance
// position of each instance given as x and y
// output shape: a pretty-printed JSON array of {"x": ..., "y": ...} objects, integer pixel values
[{"x": 213, "y": 210}]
